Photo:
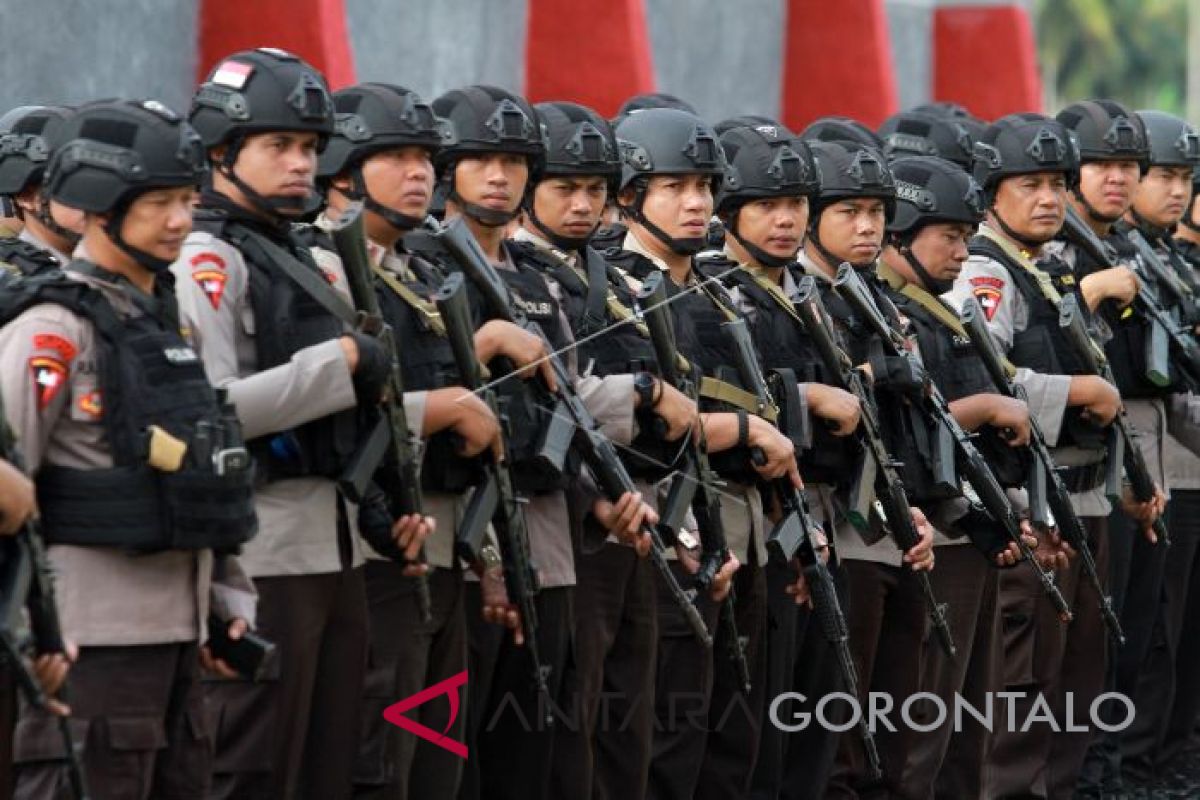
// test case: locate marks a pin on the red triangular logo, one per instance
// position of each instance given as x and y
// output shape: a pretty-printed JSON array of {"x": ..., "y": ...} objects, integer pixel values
[{"x": 449, "y": 687}]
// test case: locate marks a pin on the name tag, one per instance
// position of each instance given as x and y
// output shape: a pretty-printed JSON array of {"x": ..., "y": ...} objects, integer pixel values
[{"x": 180, "y": 356}]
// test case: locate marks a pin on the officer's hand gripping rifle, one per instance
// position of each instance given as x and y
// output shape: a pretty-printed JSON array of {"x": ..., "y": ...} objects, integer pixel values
[
  {"x": 1059, "y": 498},
  {"x": 392, "y": 435},
  {"x": 706, "y": 502},
  {"x": 1070, "y": 321},
  {"x": 595, "y": 449},
  {"x": 1168, "y": 341},
  {"x": 795, "y": 535},
  {"x": 496, "y": 498},
  {"x": 889, "y": 490},
  {"x": 27, "y": 582}
]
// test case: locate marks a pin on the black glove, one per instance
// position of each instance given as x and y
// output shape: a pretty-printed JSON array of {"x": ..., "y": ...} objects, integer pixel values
[
  {"x": 373, "y": 370},
  {"x": 375, "y": 522}
]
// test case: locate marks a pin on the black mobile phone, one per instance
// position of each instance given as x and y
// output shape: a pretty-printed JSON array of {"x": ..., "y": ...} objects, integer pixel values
[{"x": 251, "y": 655}]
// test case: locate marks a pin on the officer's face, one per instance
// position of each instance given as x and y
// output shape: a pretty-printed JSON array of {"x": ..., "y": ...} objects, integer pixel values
[
  {"x": 277, "y": 164},
  {"x": 401, "y": 179},
  {"x": 1034, "y": 206},
  {"x": 941, "y": 247},
  {"x": 494, "y": 180},
  {"x": 1163, "y": 195},
  {"x": 1109, "y": 186},
  {"x": 159, "y": 220},
  {"x": 570, "y": 206},
  {"x": 852, "y": 230},
  {"x": 70, "y": 218},
  {"x": 776, "y": 224},
  {"x": 679, "y": 204}
]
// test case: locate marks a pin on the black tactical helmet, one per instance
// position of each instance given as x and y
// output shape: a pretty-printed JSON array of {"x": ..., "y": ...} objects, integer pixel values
[
  {"x": 253, "y": 91},
  {"x": 488, "y": 119},
  {"x": 848, "y": 170},
  {"x": 1173, "y": 142},
  {"x": 579, "y": 142},
  {"x": 27, "y": 140},
  {"x": 911, "y": 133},
  {"x": 114, "y": 150},
  {"x": 765, "y": 160},
  {"x": 640, "y": 102},
  {"x": 944, "y": 109},
  {"x": 1021, "y": 144},
  {"x": 371, "y": 117},
  {"x": 1105, "y": 130},
  {"x": 931, "y": 189},
  {"x": 667, "y": 141},
  {"x": 257, "y": 91},
  {"x": 841, "y": 129},
  {"x": 747, "y": 121}
]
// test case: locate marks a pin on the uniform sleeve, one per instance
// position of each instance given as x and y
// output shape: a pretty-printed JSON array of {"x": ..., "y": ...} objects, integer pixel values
[
  {"x": 989, "y": 283},
  {"x": 40, "y": 352},
  {"x": 610, "y": 401},
  {"x": 211, "y": 282},
  {"x": 414, "y": 411},
  {"x": 1047, "y": 397},
  {"x": 232, "y": 592}
]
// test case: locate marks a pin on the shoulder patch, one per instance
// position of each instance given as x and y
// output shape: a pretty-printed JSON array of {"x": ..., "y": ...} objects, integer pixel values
[
  {"x": 90, "y": 404},
  {"x": 212, "y": 283},
  {"x": 207, "y": 258},
  {"x": 49, "y": 377},
  {"x": 64, "y": 348},
  {"x": 987, "y": 291}
]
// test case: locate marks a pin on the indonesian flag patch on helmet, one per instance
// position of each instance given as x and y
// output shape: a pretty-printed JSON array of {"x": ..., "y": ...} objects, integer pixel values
[{"x": 233, "y": 74}]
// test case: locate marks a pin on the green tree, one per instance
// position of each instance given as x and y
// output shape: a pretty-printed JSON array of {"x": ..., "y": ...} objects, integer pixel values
[{"x": 1134, "y": 51}]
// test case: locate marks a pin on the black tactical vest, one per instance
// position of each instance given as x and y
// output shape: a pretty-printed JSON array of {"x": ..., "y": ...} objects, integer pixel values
[
  {"x": 148, "y": 376},
  {"x": 959, "y": 372},
  {"x": 27, "y": 258},
  {"x": 783, "y": 343},
  {"x": 287, "y": 319},
  {"x": 1042, "y": 347}
]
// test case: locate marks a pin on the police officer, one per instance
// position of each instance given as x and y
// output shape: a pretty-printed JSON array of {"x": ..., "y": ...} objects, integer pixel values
[
  {"x": 1145, "y": 666},
  {"x": 913, "y": 133},
  {"x": 672, "y": 163},
  {"x": 1113, "y": 155},
  {"x": 938, "y": 208},
  {"x": 381, "y": 155},
  {"x": 847, "y": 225},
  {"x": 144, "y": 487},
  {"x": 268, "y": 333},
  {"x": 1025, "y": 163},
  {"x": 763, "y": 208},
  {"x": 607, "y": 753},
  {"x": 500, "y": 145},
  {"x": 49, "y": 230}
]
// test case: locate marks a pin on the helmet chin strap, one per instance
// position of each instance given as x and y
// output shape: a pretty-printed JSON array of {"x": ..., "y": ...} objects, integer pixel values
[
  {"x": 830, "y": 259},
  {"x": 1105, "y": 219},
  {"x": 1025, "y": 241},
  {"x": 757, "y": 253},
  {"x": 112, "y": 228},
  {"x": 934, "y": 285},
  {"x": 358, "y": 191},
  {"x": 559, "y": 241},
  {"x": 279, "y": 209},
  {"x": 47, "y": 219},
  {"x": 680, "y": 246}
]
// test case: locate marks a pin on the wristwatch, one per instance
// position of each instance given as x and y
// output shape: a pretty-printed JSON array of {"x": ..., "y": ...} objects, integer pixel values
[{"x": 644, "y": 384}]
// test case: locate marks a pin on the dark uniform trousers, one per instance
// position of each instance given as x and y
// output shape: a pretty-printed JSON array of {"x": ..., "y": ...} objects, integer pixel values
[
  {"x": 683, "y": 685},
  {"x": 780, "y": 640},
  {"x": 808, "y": 754},
  {"x": 603, "y": 749},
  {"x": 888, "y": 628},
  {"x": 510, "y": 746},
  {"x": 8, "y": 721},
  {"x": 295, "y": 734},
  {"x": 942, "y": 762},
  {"x": 405, "y": 656},
  {"x": 1136, "y": 570},
  {"x": 138, "y": 712},
  {"x": 1183, "y": 620},
  {"x": 1042, "y": 656},
  {"x": 735, "y": 720}
]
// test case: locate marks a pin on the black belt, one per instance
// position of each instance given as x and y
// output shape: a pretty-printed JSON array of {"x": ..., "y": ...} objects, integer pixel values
[{"x": 1085, "y": 478}]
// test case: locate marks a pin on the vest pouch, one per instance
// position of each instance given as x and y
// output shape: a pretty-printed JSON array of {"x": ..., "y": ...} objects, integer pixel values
[{"x": 204, "y": 510}]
